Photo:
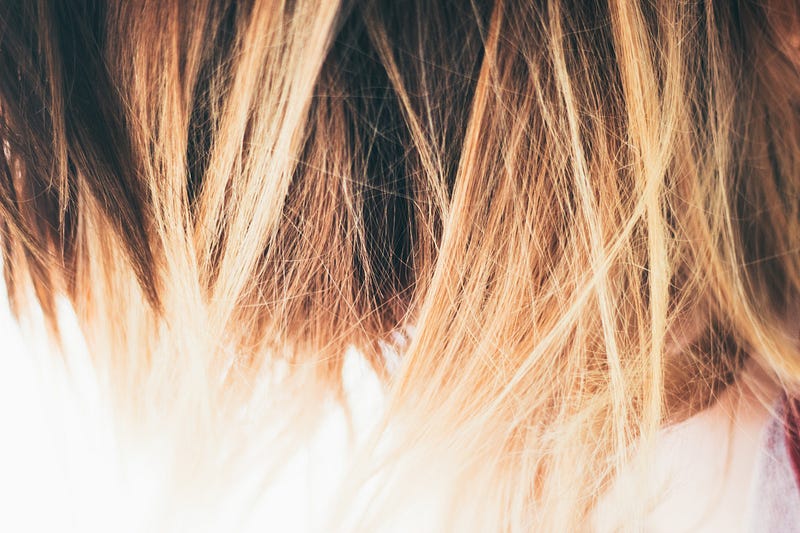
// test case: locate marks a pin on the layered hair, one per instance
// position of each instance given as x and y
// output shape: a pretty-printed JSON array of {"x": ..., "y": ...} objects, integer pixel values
[{"x": 573, "y": 222}]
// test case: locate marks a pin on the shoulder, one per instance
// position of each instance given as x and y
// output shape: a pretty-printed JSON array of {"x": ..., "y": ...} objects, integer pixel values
[
  {"x": 711, "y": 472},
  {"x": 713, "y": 461},
  {"x": 775, "y": 492}
]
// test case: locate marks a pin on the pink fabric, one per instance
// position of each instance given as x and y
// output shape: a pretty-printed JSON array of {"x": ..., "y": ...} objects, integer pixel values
[
  {"x": 775, "y": 491},
  {"x": 792, "y": 425}
]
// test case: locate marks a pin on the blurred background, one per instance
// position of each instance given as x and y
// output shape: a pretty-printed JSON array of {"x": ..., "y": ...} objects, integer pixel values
[{"x": 60, "y": 466}]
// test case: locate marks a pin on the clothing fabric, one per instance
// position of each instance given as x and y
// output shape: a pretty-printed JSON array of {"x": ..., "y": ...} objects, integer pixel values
[
  {"x": 793, "y": 435},
  {"x": 775, "y": 493}
]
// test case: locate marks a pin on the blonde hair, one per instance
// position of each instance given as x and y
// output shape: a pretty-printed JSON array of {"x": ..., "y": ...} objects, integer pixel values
[{"x": 574, "y": 221}]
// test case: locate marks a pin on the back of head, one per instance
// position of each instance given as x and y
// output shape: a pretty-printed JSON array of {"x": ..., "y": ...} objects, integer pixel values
[{"x": 573, "y": 221}]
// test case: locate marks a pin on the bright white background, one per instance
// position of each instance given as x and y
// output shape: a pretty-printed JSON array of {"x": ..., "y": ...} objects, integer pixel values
[
  {"x": 59, "y": 471},
  {"x": 59, "y": 468}
]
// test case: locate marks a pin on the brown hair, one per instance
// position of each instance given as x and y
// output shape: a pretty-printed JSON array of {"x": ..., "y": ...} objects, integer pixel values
[{"x": 583, "y": 215}]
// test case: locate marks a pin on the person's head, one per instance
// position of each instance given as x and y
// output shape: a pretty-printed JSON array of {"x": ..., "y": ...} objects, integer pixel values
[{"x": 574, "y": 221}]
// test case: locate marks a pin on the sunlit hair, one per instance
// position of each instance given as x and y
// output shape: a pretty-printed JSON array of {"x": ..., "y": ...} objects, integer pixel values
[{"x": 575, "y": 222}]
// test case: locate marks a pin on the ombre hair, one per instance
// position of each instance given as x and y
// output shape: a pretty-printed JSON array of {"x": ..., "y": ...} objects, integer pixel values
[{"x": 574, "y": 222}]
